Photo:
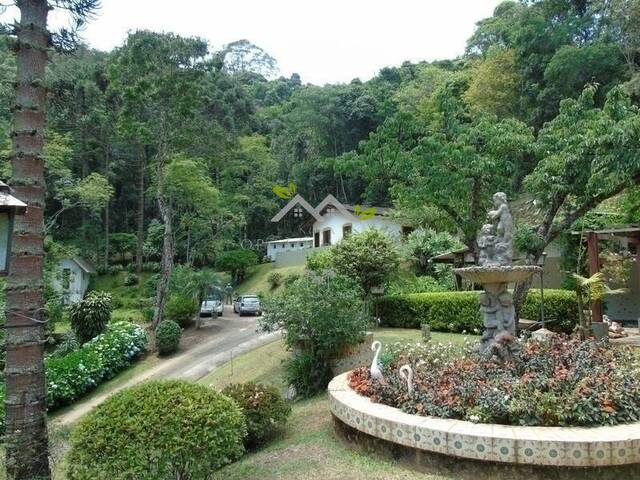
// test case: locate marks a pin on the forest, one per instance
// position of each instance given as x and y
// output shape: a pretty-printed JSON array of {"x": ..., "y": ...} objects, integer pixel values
[{"x": 165, "y": 131}]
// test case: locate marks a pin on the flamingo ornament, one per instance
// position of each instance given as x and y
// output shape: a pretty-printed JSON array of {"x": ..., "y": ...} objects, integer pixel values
[
  {"x": 407, "y": 374},
  {"x": 375, "y": 370}
]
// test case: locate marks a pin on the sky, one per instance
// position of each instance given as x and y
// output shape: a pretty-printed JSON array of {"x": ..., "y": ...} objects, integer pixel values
[{"x": 326, "y": 41}]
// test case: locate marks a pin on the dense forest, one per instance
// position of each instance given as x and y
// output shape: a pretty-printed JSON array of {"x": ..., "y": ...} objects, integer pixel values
[{"x": 164, "y": 132}]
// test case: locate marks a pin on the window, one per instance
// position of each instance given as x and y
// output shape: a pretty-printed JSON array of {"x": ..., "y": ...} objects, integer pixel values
[
  {"x": 346, "y": 230},
  {"x": 326, "y": 237},
  {"x": 301, "y": 244},
  {"x": 66, "y": 279},
  {"x": 316, "y": 239},
  {"x": 283, "y": 245}
]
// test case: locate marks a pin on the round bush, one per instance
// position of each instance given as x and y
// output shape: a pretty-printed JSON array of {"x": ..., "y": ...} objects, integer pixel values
[
  {"x": 90, "y": 316},
  {"x": 158, "y": 430},
  {"x": 168, "y": 337},
  {"x": 181, "y": 309},
  {"x": 266, "y": 412},
  {"x": 130, "y": 280},
  {"x": 274, "y": 279}
]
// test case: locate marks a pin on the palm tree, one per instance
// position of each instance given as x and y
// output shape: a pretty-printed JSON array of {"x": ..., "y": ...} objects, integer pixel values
[{"x": 594, "y": 288}]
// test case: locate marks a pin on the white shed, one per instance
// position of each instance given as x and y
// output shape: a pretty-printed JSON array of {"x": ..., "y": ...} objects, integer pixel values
[
  {"x": 276, "y": 247},
  {"x": 72, "y": 279}
]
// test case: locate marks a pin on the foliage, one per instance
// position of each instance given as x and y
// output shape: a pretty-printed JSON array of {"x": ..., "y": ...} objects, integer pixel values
[
  {"x": 181, "y": 309},
  {"x": 71, "y": 375},
  {"x": 201, "y": 430},
  {"x": 265, "y": 410},
  {"x": 274, "y": 279},
  {"x": 370, "y": 258},
  {"x": 237, "y": 262},
  {"x": 123, "y": 243},
  {"x": 90, "y": 316},
  {"x": 67, "y": 345},
  {"x": 187, "y": 289},
  {"x": 318, "y": 314},
  {"x": 423, "y": 244},
  {"x": 168, "y": 336},
  {"x": 130, "y": 280},
  {"x": 414, "y": 284},
  {"x": 458, "y": 311},
  {"x": 564, "y": 382},
  {"x": 319, "y": 261}
]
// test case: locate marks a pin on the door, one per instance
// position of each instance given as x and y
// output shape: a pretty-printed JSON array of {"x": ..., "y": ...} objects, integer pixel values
[
  {"x": 326, "y": 237},
  {"x": 316, "y": 239}
]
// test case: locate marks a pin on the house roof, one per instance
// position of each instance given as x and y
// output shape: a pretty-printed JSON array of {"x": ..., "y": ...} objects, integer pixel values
[
  {"x": 331, "y": 200},
  {"x": 84, "y": 264},
  {"x": 292, "y": 203},
  {"x": 286, "y": 240}
]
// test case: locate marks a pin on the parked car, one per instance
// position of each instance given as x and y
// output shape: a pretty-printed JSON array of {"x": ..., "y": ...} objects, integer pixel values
[
  {"x": 247, "y": 304},
  {"x": 211, "y": 307}
]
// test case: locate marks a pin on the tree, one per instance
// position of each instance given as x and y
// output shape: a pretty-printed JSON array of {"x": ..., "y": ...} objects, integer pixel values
[
  {"x": 25, "y": 401},
  {"x": 242, "y": 56},
  {"x": 237, "y": 262},
  {"x": 424, "y": 243}
]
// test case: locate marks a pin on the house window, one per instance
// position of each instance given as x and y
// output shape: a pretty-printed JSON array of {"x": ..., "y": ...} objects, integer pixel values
[
  {"x": 326, "y": 237},
  {"x": 293, "y": 245},
  {"x": 316, "y": 239},
  {"x": 297, "y": 212},
  {"x": 283, "y": 245},
  {"x": 66, "y": 279},
  {"x": 346, "y": 230},
  {"x": 301, "y": 244}
]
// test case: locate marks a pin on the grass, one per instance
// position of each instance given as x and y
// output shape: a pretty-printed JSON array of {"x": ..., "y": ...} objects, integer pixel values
[
  {"x": 308, "y": 448},
  {"x": 256, "y": 281},
  {"x": 126, "y": 299}
]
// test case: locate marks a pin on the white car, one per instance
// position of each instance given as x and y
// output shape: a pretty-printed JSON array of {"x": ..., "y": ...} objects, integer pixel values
[
  {"x": 211, "y": 307},
  {"x": 247, "y": 304}
]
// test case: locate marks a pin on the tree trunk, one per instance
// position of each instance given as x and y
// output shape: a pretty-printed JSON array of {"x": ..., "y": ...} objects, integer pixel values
[
  {"x": 142, "y": 167},
  {"x": 25, "y": 401},
  {"x": 107, "y": 155}
]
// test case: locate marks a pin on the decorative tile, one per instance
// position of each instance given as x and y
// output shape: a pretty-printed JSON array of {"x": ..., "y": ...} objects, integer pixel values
[
  {"x": 430, "y": 439},
  {"x": 599, "y": 453},
  {"x": 528, "y": 451},
  {"x": 625, "y": 452},
  {"x": 504, "y": 450}
]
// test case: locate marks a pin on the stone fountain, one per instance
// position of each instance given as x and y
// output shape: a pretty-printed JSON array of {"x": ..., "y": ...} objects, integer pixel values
[{"x": 495, "y": 271}]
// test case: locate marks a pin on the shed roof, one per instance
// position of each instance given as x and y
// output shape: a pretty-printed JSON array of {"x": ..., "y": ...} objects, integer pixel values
[
  {"x": 286, "y": 240},
  {"x": 83, "y": 264}
]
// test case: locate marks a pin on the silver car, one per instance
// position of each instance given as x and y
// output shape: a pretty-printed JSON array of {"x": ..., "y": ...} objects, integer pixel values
[
  {"x": 211, "y": 307},
  {"x": 247, "y": 304}
]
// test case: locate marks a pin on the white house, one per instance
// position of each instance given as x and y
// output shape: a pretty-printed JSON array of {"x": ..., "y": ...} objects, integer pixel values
[
  {"x": 72, "y": 279},
  {"x": 276, "y": 247},
  {"x": 332, "y": 221}
]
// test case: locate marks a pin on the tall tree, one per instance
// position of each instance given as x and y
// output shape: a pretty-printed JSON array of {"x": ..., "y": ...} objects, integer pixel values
[{"x": 25, "y": 402}]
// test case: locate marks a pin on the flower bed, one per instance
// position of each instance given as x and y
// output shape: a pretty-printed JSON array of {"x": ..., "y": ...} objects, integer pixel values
[
  {"x": 563, "y": 383},
  {"x": 72, "y": 375}
]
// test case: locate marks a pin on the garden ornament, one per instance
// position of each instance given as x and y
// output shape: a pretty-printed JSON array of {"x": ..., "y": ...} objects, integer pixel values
[
  {"x": 407, "y": 374},
  {"x": 375, "y": 370}
]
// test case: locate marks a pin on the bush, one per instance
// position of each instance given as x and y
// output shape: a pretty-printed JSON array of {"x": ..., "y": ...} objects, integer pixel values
[
  {"x": 319, "y": 261},
  {"x": 72, "y": 375},
  {"x": 67, "y": 345},
  {"x": 265, "y": 411},
  {"x": 370, "y": 258},
  {"x": 291, "y": 278},
  {"x": 90, "y": 316},
  {"x": 319, "y": 315},
  {"x": 158, "y": 430},
  {"x": 274, "y": 279},
  {"x": 563, "y": 382},
  {"x": 168, "y": 336},
  {"x": 130, "y": 280},
  {"x": 237, "y": 262},
  {"x": 181, "y": 309},
  {"x": 458, "y": 311}
]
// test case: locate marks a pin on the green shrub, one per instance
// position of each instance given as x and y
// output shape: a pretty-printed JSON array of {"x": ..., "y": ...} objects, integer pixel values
[
  {"x": 236, "y": 262},
  {"x": 158, "y": 430},
  {"x": 90, "y": 316},
  {"x": 319, "y": 315},
  {"x": 274, "y": 279},
  {"x": 265, "y": 411},
  {"x": 458, "y": 311},
  {"x": 291, "y": 278},
  {"x": 181, "y": 309},
  {"x": 319, "y": 261},
  {"x": 130, "y": 280},
  {"x": 168, "y": 336}
]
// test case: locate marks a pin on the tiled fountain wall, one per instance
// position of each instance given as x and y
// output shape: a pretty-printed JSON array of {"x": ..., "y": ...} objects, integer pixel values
[{"x": 552, "y": 446}]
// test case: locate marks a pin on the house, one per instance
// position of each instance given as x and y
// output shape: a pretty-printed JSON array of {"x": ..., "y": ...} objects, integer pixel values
[
  {"x": 72, "y": 279},
  {"x": 331, "y": 220},
  {"x": 276, "y": 247}
]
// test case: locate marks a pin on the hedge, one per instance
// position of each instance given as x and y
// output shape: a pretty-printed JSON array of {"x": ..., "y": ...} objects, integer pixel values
[
  {"x": 458, "y": 311},
  {"x": 71, "y": 376}
]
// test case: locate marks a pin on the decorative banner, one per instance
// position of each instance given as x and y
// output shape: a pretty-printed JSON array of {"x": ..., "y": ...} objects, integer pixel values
[{"x": 284, "y": 192}]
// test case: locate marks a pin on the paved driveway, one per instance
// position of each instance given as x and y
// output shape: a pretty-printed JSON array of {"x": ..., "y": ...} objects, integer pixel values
[{"x": 229, "y": 336}]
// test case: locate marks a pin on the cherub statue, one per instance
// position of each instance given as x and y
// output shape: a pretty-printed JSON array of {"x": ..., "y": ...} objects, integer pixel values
[
  {"x": 486, "y": 244},
  {"x": 503, "y": 221}
]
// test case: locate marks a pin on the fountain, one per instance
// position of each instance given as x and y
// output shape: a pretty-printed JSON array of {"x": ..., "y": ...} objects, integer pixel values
[{"x": 494, "y": 272}]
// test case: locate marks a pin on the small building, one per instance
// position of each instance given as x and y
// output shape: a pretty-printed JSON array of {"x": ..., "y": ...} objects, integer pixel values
[
  {"x": 72, "y": 279},
  {"x": 275, "y": 247}
]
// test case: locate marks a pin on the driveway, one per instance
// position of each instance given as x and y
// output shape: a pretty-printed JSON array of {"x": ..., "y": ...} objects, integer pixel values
[{"x": 227, "y": 336}]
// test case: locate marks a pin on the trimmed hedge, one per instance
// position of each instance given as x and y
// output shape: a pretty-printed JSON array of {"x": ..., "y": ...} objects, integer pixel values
[
  {"x": 71, "y": 376},
  {"x": 158, "y": 430},
  {"x": 458, "y": 311},
  {"x": 168, "y": 337}
]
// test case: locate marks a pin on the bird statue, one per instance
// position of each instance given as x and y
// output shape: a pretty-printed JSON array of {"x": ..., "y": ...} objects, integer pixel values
[
  {"x": 407, "y": 374},
  {"x": 375, "y": 370}
]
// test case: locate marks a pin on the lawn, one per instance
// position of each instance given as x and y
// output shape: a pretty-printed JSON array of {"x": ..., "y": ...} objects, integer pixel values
[
  {"x": 126, "y": 299},
  {"x": 256, "y": 281},
  {"x": 309, "y": 448}
]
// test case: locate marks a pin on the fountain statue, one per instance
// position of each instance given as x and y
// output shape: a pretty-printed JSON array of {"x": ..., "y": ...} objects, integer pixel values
[{"x": 495, "y": 271}]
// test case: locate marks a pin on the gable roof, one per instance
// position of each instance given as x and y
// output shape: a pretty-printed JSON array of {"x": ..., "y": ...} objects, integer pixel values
[
  {"x": 83, "y": 264},
  {"x": 293, "y": 202},
  {"x": 331, "y": 200}
]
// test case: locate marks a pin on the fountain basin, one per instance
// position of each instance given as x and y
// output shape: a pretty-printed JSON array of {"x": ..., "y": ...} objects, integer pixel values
[
  {"x": 498, "y": 274},
  {"x": 552, "y": 446}
]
